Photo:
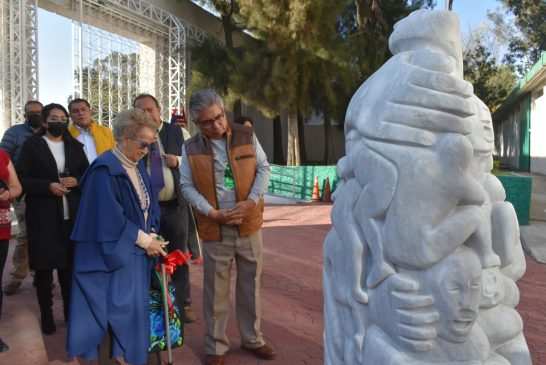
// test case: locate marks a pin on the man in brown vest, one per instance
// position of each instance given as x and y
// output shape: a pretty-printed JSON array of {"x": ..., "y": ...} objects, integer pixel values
[{"x": 224, "y": 174}]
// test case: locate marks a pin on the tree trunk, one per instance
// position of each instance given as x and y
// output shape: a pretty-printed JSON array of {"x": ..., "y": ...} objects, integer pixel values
[
  {"x": 301, "y": 136},
  {"x": 228, "y": 31},
  {"x": 228, "y": 38},
  {"x": 327, "y": 139},
  {"x": 278, "y": 157},
  {"x": 237, "y": 108},
  {"x": 293, "y": 153}
]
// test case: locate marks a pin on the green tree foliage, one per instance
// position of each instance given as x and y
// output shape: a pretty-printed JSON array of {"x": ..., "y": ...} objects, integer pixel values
[
  {"x": 110, "y": 84},
  {"x": 517, "y": 40},
  {"x": 492, "y": 81},
  {"x": 365, "y": 27},
  {"x": 298, "y": 41},
  {"x": 213, "y": 60},
  {"x": 529, "y": 41},
  {"x": 319, "y": 52},
  {"x": 207, "y": 70},
  {"x": 307, "y": 55}
]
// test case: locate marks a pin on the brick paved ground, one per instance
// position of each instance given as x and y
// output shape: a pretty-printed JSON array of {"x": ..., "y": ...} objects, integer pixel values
[{"x": 291, "y": 301}]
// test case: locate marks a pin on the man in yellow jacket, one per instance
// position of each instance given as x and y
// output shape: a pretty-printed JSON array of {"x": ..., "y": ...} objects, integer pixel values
[{"x": 95, "y": 138}]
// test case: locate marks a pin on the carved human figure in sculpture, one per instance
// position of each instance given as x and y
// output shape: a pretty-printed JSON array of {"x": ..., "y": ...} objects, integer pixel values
[
  {"x": 411, "y": 129},
  {"x": 501, "y": 323},
  {"x": 415, "y": 197},
  {"x": 498, "y": 318},
  {"x": 455, "y": 282}
]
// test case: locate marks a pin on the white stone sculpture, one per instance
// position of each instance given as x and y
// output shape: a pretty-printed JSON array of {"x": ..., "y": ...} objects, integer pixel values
[
  {"x": 502, "y": 324},
  {"x": 421, "y": 261}
]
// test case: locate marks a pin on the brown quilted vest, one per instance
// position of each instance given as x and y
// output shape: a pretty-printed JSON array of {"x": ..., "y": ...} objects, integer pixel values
[{"x": 242, "y": 157}]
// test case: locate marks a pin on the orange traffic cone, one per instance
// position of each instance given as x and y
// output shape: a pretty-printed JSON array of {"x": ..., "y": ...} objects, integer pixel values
[
  {"x": 326, "y": 192},
  {"x": 316, "y": 192}
]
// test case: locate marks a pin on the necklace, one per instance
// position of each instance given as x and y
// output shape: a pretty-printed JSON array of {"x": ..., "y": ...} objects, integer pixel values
[{"x": 146, "y": 204}]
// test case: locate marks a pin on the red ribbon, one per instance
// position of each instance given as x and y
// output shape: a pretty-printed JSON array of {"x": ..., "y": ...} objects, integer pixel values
[
  {"x": 174, "y": 259},
  {"x": 171, "y": 261}
]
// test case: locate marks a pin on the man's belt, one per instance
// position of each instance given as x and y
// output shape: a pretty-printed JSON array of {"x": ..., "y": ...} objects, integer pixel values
[{"x": 168, "y": 203}]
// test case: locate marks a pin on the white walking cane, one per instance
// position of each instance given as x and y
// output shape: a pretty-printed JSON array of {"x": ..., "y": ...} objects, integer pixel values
[
  {"x": 199, "y": 244},
  {"x": 165, "y": 289}
]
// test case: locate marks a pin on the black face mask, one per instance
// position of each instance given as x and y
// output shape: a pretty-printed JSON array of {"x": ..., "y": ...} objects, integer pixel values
[
  {"x": 34, "y": 120},
  {"x": 56, "y": 129}
]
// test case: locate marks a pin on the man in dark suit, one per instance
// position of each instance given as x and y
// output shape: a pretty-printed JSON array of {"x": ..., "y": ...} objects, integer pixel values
[{"x": 163, "y": 160}]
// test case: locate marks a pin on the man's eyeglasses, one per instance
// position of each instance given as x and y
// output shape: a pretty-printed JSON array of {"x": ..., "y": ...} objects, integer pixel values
[
  {"x": 142, "y": 144},
  {"x": 209, "y": 122}
]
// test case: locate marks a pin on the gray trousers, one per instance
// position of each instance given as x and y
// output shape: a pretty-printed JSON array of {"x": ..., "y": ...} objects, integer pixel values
[{"x": 218, "y": 257}]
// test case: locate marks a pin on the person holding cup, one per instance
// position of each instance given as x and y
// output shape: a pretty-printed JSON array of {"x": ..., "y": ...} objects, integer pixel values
[{"x": 51, "y": 205}]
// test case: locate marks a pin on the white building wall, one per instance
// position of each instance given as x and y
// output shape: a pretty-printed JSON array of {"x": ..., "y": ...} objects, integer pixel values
[
  {"x": 538, "y": 131},
  {"x": 508, "y": 138},
  {"x": 314, "y": 143}
]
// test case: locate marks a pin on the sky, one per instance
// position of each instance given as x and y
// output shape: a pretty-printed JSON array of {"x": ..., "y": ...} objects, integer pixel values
[
  {"x": 471, "y": 12},
  {"x": 55, "y": 46},
  {"x": 54, "y": 58}
]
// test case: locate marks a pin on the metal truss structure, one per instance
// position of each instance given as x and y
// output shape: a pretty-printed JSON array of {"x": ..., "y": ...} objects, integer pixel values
[
  {"x": 18, "y": 58},
  {"x": 120, "y": 48}
]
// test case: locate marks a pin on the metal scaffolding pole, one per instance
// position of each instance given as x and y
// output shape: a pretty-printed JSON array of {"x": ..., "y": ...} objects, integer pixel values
[
  {"x": 19, "y": 59},
  {"x": 120, "y": 48},
  {"x": 4, "y": 64}
]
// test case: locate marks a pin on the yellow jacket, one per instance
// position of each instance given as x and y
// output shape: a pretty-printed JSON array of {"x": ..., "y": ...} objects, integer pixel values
[{"x": 104, "y": 139}]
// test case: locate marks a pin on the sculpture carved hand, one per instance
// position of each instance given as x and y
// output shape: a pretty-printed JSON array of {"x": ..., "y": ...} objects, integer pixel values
[
  {"x": 406, "y": 316},
  {"x": 423, "y": 98}
]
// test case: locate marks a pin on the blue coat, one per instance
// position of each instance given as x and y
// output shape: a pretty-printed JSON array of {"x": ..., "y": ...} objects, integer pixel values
[
  {"x": 111, "y": 283},
  {"x": 13, "y": 140}
]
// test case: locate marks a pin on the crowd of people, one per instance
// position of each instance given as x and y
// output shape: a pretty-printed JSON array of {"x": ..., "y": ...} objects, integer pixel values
[{"x": 101, "y": 206}]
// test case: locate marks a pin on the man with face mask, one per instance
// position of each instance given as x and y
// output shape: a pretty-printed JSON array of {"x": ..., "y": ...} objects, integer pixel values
[{"x": 12, "y": 141}]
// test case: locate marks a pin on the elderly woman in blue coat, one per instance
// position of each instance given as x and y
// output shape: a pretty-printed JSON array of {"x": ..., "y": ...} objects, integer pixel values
[{"x": 115, "y": 247}]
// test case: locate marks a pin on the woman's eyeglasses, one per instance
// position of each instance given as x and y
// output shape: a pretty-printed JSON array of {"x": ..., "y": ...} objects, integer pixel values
[{"x": 143, "y": 144}]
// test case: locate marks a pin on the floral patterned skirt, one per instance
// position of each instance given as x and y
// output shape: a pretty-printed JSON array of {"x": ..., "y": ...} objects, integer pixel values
[{"x": 158, "y": 341}]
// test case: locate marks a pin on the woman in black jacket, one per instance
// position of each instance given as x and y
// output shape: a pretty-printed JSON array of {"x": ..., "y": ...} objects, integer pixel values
[{"x": 49, "y": 167}]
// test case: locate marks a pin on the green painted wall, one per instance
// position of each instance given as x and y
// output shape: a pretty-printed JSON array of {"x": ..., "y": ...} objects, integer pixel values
[
  {"x": 283, "y": 178},
  {"x": 517, "y": 187},
  {"x": 518, "y": 192},
  {"x": 525, "y": 138}
]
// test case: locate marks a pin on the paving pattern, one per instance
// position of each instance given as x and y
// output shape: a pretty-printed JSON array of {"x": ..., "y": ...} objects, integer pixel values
[{"x": 292, "y": 302}]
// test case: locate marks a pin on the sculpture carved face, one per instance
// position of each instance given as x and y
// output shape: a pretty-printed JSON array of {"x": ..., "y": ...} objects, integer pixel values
[
  {"x": 456, "y": 285},
  {"x": 492, "y": 288},
  {"x": 482, "y": 140}
]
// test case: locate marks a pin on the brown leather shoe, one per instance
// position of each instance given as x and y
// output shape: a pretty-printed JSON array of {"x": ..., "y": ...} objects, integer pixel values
[
  {"x": 263, "y": 352},
  {"x": 188, "y": 316},
  {"x": 11, "y": 287},
  {"x": 215, "y": 359}
]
